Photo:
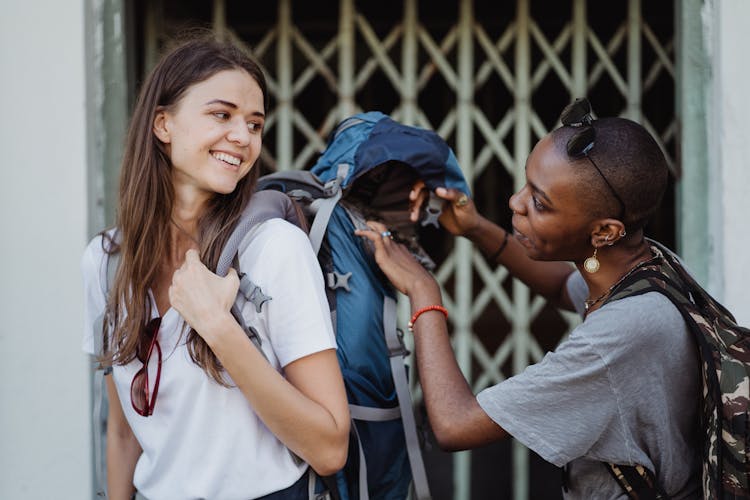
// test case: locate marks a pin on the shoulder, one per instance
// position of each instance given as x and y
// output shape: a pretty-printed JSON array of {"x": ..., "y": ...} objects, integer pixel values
[
  {"x": 278, "y": 235},
  {"x": 94, "y": 256},
  {"x": 647, "y": 321},
  {"x": 647, "y": 308},
  {"x": 276, "y": 245}
]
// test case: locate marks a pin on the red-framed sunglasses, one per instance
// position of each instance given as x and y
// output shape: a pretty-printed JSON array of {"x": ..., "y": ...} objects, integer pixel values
[{"x": 142, "y": 400}]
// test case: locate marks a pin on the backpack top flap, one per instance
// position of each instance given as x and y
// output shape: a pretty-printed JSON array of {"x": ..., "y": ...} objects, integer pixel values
[
  {"x": 366, "y": 140},
  {"x": 724, "y": 349}
]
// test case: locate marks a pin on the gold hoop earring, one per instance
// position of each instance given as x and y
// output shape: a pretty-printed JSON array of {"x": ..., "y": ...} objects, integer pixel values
[{"x": 591, "y": 265}]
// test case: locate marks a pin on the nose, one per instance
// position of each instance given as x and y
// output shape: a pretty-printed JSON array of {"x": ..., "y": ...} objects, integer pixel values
[
  {"x": 239, "y": 133},
  {"x": 516, "y": 202}
]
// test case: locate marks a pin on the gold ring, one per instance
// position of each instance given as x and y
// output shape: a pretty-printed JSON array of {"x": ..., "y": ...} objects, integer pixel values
[{"x": 462, "y": 200}]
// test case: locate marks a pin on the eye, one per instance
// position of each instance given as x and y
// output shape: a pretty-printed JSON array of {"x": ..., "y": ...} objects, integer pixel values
[
  {"x": 221, "y": 115},
  {"x": 538, "y": 205},
  {"x": 255, "y": 127}
]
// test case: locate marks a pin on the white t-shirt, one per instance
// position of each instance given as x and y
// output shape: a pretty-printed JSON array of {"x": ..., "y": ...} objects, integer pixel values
[{"x": 204, "y": 440}]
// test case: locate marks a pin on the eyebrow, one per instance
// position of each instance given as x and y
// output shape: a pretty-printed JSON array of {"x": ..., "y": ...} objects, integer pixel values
[{"x": 233, "y": 106}]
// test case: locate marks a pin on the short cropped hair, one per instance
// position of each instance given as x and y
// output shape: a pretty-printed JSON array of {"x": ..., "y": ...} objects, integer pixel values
[{"x": 630, "y": 159}]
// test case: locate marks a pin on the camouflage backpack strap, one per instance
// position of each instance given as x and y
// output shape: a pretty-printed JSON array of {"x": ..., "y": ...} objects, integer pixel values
[
  {"x": 637, "y": 482},
  {"x": 724, "y": 349},
  {"x": 655, "y": 275},
  {"x": 700, "y": 298},
  {"x": 725, "y": 364}
]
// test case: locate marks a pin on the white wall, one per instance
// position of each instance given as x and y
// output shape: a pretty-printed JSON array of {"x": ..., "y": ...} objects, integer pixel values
[
  {"x": 728, "y": 115},
  {"x": 44, "y": 384}
]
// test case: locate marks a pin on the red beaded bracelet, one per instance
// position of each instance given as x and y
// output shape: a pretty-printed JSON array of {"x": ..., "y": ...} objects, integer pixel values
[{"x": 417, "y": 314}]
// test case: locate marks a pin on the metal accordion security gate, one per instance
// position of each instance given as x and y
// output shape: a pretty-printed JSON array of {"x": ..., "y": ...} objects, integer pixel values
[{"x": 489, "y": 77}]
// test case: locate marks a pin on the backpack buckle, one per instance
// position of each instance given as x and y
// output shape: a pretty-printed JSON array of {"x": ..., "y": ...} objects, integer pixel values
[
  {"x": 400, "y": 349},
  {"x": 336, "y": 280}
]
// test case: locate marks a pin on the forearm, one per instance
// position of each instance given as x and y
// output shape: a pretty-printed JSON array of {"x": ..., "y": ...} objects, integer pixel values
[
  {"x": 314, "y": 426},
  {"x": 122, "y": 456},
  {"x": 456, "y": 418},
  {"x": 545, "y": 278}
]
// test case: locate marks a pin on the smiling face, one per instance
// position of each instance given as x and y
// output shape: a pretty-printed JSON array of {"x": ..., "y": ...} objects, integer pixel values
[
  {"x": 549, "y": 217},
  {"x": 213, "y": 133}
]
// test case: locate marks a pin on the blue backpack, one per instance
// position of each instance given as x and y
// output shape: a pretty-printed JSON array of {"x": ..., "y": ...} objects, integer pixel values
[{"x": 370, "y": 164}]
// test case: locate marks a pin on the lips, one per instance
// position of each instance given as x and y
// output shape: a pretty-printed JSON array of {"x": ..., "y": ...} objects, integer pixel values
[{"x": 522, "y": 239}]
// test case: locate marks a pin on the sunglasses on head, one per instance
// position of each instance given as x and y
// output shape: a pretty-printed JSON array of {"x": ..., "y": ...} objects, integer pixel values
[
  {"x": 578, "y": 114},
  {"x": 141, "y": 397}
]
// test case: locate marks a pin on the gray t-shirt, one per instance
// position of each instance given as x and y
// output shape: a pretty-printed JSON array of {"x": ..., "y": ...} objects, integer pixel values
[{"x": 622, "y": 388}]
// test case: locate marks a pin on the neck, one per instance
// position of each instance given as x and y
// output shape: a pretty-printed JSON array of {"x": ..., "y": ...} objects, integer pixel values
[
  {"x": 183, "y": 229},
  {"x": 189, "y": 201},
  {"x": 615, "y": 262}
]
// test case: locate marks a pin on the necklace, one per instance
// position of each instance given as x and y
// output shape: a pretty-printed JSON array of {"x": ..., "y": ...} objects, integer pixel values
[{"x": 589, "y": 303}]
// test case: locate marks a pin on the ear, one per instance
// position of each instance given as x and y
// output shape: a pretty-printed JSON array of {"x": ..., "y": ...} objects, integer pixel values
[
  {"x": 607, "y": 232},
  {"x": 161, "y": 126},
  {"x": 417, "y": 197}
]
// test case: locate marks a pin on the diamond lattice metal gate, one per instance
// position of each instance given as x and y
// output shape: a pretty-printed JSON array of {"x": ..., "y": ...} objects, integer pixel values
[{"x": 491, "y": 80}]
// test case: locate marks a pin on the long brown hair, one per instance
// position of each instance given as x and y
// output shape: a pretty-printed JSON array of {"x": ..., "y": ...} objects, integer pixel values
[{"x": 146, "y": 199}]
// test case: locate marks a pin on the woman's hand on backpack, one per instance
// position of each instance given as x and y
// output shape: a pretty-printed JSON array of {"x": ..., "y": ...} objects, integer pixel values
[
  {"x": 396, "y": 262},
  {"x": 200, "y": 296},
  {"x": 459, "y": 215}
]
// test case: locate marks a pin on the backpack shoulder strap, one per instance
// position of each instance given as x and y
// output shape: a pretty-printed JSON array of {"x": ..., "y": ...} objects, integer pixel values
[
  {"x": 100, "y": 406},
  {"x": 263, "y": 206},
  {"x": 637, "y": 482},
  {"x": 702, "y": 299},
  {"x": 324, "y": 206},
  {"x": 112, "y": 262},
  {"x": 306, "y": 187},
  {"x": 397, "y": 351}
]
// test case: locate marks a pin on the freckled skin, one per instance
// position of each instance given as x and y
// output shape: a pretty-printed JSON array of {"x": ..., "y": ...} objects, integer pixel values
[{"x": 221, "y": 115}]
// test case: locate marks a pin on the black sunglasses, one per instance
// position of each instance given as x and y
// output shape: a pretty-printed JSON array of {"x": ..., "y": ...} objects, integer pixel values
[{"x": 578, "y": 114}]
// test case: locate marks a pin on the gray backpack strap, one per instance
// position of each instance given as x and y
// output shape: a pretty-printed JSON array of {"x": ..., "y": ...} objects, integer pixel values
[
  {"x": 374, "y": 414},
  {"x": 112, "y": 263},
  {"x": 323, "y": 207},
  {"x": 364, "y": 494},
  {"x": 398, "y": 369},
  {"x": 101, "y": 411},
  {"x": 99, "y": 387},
  {"x": 263, "y": 205}
]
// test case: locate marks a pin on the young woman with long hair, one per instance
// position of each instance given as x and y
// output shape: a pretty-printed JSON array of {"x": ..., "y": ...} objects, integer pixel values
[{"x": 196, "y": 410}]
